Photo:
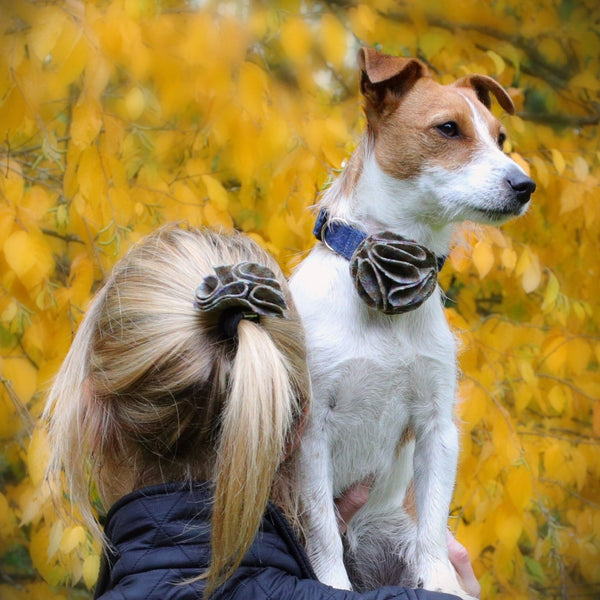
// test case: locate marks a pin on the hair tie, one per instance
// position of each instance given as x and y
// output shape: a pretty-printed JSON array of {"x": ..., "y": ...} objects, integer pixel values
[
  {"x": 242, "y": 291},
  {"x": 230, "y": 319}
]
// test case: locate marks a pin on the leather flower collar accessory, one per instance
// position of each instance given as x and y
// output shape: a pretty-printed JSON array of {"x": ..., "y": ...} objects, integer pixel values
[{"x": 392, "y": 274}]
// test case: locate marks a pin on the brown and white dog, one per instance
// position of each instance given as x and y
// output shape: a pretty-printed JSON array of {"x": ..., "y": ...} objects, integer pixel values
[{"x": 384, "y": 385}]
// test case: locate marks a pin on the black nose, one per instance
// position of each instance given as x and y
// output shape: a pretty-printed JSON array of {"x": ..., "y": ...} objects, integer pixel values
[{"x": 522, "y": 185}]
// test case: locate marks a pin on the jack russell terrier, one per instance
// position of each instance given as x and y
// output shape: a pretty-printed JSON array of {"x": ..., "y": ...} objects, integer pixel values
[{"x": 381, "y": 355}]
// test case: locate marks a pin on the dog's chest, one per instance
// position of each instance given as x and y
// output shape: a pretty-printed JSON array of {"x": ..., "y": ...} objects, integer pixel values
[{"x": 373, "y": 376}]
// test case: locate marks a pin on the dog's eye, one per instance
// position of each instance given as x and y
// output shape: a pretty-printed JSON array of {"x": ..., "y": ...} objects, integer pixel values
[
  {"x": 449, "y": 129},
  {"x": 501, "y": 140}
]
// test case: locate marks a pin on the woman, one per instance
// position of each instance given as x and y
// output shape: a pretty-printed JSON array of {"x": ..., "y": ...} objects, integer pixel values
[{"x": 182, "y": 399}]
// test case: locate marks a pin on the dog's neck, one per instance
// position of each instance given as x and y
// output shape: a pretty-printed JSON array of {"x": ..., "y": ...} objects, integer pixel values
[{"x": 366, "y": 197}]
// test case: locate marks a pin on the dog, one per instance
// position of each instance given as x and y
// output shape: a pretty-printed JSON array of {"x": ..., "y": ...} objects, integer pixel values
[{"x": 384, "y": 382}]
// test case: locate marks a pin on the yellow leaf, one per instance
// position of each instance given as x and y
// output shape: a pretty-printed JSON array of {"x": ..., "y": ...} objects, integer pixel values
[
  {"x": 498, "y": 61},
  {"x": 519, "y": 487},
  {"x": 253, "y": 84},
  {"x": 579, "y": 467},
  {"x": 216, "y": 192},
  {"x": 508, "y": 527},
  {"x": 571, "y": 197},
  {"x": 135, "y": 103},
  {"x": 22, "y": 375},
  {"x": 91, "y": 179},
  {"x": 474, "y": 406},
  {"x": 579, "y": 354},
  {"x": 541, "y": 170},
  {"x": 558, "y": 161},
  {"x": 29, "y": 256},
  {"x": 39, "y": 555},
  {"x": 38, "y": 455},
  {"x": 46, "y": 30},
  {"x": 527, "y": 372},
  {"x": 580, "y": 168},
  {"x": 32, "y": 504},
  {"x": 296, "y": 39},
  {"x": 509, "y": 259},
  {"x": 557, "y": 398},
  {"x": 86, "y": 122},
  {"x": 531, "y": 274},
  {"x": 215, "y": 217},
  {"x": 90, "y": 570},
  {"x": 551, "y": 293},
  {"x": 460, "y": 259},
  {"x": 55, "y": 537},
  {"x": 555, "y": 353},
  {"x": 596, "y": 419},
  {"x": 523, "y": 396},
  {"x": 12, "y": 184},
  {"x": 587, "y": 80},
  {"x": 363, "y": 20},
  {"x": 333, "y": 40},
  {"x": 432, "y": 42},
  {"x": 81, "y": 278},
  {"x": 72, "y": 537},
  {"x": 497, "y": 237},
  {"x": 12, "y": 111},
  {"x": 483, "y": 258}
]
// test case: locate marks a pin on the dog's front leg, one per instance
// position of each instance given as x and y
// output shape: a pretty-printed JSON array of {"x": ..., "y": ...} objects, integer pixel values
[
  {"x": 323, "y": 540},
  {"x": 435, "y": 461}
]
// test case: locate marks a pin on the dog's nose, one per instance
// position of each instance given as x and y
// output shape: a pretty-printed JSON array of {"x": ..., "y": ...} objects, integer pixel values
[{"x": 522, "y": 185}]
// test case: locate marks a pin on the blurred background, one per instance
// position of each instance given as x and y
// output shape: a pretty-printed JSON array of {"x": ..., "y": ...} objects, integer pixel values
[{"x": 119, "y": 115}]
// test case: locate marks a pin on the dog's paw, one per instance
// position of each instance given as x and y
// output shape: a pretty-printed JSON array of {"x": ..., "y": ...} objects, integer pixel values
[
  {"x": 441, "y": 577},
  {"x": 339, "y": 581},
  {"x": 332, "y": 574}
]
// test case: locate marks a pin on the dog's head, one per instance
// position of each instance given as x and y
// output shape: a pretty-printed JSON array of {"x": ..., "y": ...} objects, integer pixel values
[{"x": 441, "y": 144}]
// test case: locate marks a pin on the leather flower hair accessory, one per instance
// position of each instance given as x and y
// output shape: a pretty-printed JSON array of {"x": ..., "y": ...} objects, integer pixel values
[
  {"x": 392, "y": 274},
  {"x": 242, "y": 291}
]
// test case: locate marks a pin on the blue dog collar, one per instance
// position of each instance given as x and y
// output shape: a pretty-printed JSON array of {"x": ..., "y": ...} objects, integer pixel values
[
  {"x": 344, "y": 239},
  {"x": 338, "y": 237}
]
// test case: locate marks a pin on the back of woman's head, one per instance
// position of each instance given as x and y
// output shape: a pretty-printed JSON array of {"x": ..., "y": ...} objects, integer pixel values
[{"x": 156, "y": 389}]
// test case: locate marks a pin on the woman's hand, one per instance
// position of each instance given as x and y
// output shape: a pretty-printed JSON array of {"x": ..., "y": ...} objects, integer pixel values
[{"x": 459, "y": 557}]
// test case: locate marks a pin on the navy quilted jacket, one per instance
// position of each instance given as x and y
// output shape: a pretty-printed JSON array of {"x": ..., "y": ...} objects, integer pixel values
[{"x": 161, "y": 538}]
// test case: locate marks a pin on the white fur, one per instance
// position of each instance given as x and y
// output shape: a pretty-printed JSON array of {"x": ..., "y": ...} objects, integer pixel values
[{"x": 376, "y": 376}]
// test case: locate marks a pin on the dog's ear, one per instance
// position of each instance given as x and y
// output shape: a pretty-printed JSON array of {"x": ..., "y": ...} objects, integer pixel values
[
  {"x": 386, "y": 78},
  {"x": 483, "y": 86}
]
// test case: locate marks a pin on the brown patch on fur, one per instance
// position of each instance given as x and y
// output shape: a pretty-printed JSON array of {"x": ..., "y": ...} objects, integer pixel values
[
  {"x": 410, "y": 139},
  {"x": 410, "y": 501},
  {"x": 407, "y": 436}
]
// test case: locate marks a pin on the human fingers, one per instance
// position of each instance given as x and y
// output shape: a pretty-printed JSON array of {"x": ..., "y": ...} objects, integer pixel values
[
  {"x": 459, "y": 557},
  {"x": 351, "y": 501}
]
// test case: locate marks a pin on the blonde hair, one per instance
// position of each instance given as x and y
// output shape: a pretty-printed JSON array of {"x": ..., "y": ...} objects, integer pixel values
[{"x": 151, "y": 392}]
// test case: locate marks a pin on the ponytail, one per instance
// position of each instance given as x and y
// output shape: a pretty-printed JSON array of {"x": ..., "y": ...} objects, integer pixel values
[{"x": 256, "y": 420}]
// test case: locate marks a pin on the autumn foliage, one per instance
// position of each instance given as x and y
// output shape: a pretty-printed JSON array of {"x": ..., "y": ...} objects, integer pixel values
[{"x": 119, "y": 115}]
